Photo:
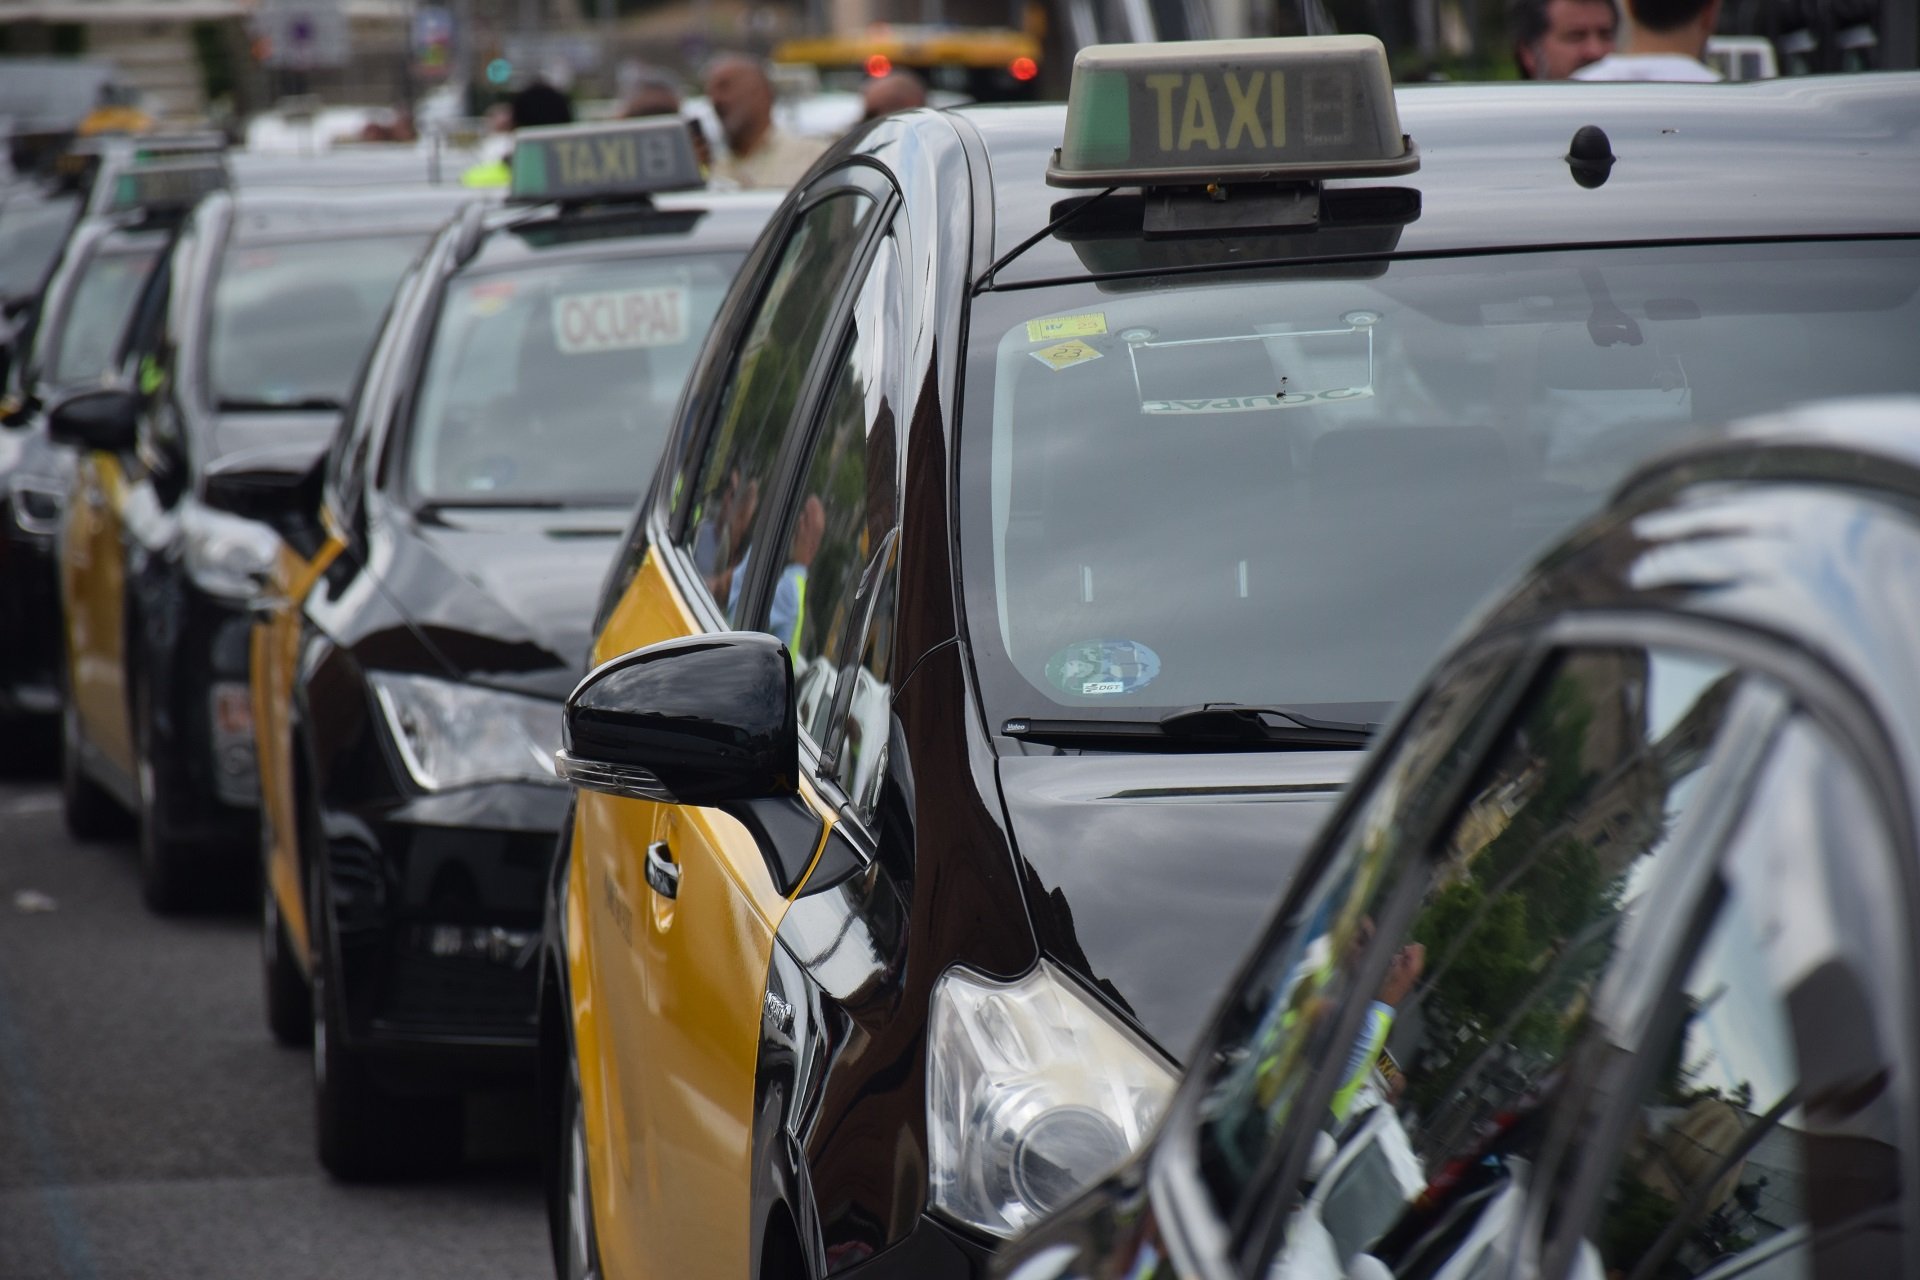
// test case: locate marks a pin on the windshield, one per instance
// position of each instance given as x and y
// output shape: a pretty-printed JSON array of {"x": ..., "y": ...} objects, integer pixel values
[
  {"x": 31, "y": 232},
  {"x": 102, "y": 301},
  {"x": 293, "y": 321},
  {"x": 1287, "y": 487},
  {"x": 559, "y": 383}
]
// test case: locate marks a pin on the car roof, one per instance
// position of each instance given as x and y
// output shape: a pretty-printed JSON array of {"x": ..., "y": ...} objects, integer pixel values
[
  {"x": 1801, "y": 157},
  {"x": 300, "y": 212},
  {"x": 706, "y": 219}
]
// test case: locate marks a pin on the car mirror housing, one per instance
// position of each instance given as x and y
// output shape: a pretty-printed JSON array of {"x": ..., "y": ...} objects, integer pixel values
[
  {"x": 102, "y": 419},
  {"x": 704, "y": 720},
  {"x": 279, "y": 487}
]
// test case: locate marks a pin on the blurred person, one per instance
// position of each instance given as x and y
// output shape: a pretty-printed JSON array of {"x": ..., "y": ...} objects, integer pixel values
[
  {"x": 788, "y": 612},
  {"x": 898, "y": 91},
  {"x": 540, "y": 103},
  {"x": 648, "y": 92},
  {"x": 759, "y": 152},
  {"x": 1666, "y": 40},
  {"x": 1554, "y": 38}
]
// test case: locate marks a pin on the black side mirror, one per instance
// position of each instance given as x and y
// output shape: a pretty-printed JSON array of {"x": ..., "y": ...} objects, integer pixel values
[
  {"x": 705, "y": 720},
  {"x": 106, "y": 420},
  {"x": 278, "y": 486}
]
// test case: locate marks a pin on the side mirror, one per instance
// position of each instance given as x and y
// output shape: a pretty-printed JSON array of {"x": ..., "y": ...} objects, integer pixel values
[
  {"x": 278, "y": 486},
  {"x": 105, "y": 420},
  {"x": 705, "y": 720}
]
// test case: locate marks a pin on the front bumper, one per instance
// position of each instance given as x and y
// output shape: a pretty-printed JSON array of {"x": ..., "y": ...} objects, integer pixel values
[
  {"x": 30, "y": 630},
  {"x": 203, "y": 751}
]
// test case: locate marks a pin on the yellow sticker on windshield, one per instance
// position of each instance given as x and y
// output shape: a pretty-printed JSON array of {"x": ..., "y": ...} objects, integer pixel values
[
  {"x": 1080, "y": 326},
  {"x": 1065, "y": 355}
]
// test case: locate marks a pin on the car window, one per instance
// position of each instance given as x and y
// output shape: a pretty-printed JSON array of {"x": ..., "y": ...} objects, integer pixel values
[
  {"x": 839, "y": 521},
  {"x": 291, "y": 322},
  {"x": 1450, "y": 984},
  {"x": 1733, "y": 1151},
  {"x": 102, "y": 301},
  {"x": 32, "y": 229},
  {"x": 559, "y": 382},
  {"x": 758, "y": 402}
]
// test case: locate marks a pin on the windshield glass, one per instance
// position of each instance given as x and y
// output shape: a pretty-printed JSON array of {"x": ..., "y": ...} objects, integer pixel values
[
  {"x": 102, "y": 301},
  {"x": 1289, "y": 486},
  {"x": 31, "y": 232},
  {"x": 559, "y": 382},
  {"x": 293, "y": 321}
]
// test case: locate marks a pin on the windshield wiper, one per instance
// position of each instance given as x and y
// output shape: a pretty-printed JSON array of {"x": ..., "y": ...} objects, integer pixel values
[
  {"x": 304, "y": 404},
  {"x": 1211, "y": 724}
]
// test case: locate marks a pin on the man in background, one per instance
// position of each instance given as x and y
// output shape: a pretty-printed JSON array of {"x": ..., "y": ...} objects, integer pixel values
[
  {"x": 1552, "y": 39},
  {"x": 1666, "y": 40},
  {"x": 895, "y": 91},
  {"x": 759, "y": 152}
]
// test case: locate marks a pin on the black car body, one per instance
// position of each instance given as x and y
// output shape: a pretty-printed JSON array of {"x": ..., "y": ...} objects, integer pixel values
[
  {"x": 1679, "y": 755},
  {"x": 228, "y": 384},
  {"x": 795, "y": 939},
  {"x": 472, "y": 504}
]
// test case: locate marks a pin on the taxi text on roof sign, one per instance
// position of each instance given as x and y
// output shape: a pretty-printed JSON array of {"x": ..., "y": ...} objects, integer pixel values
[
  {"x": 165, "y": 185},
  {"x": 612, "y": 161},
  {"x": 1196, "y": 112}
]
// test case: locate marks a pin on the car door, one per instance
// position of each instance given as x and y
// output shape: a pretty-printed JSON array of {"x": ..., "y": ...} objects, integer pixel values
[{"x": 671, "y": 943}]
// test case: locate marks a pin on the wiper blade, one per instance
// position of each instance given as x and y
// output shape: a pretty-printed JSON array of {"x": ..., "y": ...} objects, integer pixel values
[
  {"x": 304, "y": 404},
  {"x": 1210, "y": 726}
]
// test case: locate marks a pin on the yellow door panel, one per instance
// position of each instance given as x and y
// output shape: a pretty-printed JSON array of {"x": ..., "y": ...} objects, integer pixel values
[
  {"x": 274, "y": 656},
  {"x": 93, "y": 593},
  {"x": 667, "y": 1004}
]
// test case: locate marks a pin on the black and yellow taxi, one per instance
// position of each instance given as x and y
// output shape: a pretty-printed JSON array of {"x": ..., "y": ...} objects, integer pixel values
[
  {"x": 1604, "y": 968},
  {"x": 68, "y": 344},
  {"x": 431, "y": 611},
  {"x": 1064, "y": 499},
  {"x": 227, "y": 383}
]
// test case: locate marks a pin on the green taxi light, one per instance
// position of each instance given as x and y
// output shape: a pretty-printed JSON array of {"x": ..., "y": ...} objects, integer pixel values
[
  {"x": 165, "y": 186},
  {"x": 612, "y": 161},
  {"x": 1279, "y": 110}
]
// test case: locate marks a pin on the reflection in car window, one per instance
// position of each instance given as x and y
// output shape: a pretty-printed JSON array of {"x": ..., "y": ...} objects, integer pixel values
[
  {"x": 1476, "y": 1003},
  {"x": 560, "y": 382},
  {"x": 1719, "y": 1160},
  {"x": 1181, "y": 490},
  {"x": 293, "y": 321},
  {"x": 32, "y": 229},
  {"x": 763, "y": 389},
  {"x": 102, "y": 301}
]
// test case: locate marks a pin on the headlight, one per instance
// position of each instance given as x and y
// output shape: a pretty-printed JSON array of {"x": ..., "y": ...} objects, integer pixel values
[
  {"x": 226, "y": 555},
  {"x": 454, "y": 735},
  {"x": 1034, "y": 1091}
]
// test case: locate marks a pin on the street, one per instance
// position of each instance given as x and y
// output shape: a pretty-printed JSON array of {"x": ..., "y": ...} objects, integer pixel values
[{"x": 150, "y": 1127}]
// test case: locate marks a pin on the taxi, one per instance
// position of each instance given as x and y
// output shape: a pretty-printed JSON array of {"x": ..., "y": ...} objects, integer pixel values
[
  {"x": 107, "y": 258},
  {"x": 431, "y": 609},
  {"x": 1066, "y": 499},
  {"x": 227, "y": 383},
  {"x": 1603, "y": 967}
]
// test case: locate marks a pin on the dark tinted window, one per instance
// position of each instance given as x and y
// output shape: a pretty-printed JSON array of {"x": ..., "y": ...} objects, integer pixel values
[
  {"x": 97, "y": 314},
  {"x": 757, "y": 406}
]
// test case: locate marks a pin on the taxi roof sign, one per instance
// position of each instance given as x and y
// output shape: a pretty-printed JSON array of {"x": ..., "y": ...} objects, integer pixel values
[
  {"x": 165, "y": 186},
  {"x": 618, "y": 160},
  {"x": 1191, "y": 113}
]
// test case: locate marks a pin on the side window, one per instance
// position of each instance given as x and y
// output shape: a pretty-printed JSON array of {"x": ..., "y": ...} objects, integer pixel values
[
  {"x": 757, "y": 405},
  {"x": 837, "y": 537},
  {"x": 1761, "y": 1132},
  {"x": 1428, "y": 1009}
]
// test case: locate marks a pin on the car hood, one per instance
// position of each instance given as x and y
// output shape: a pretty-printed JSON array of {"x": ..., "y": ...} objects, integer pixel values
[
  {"x": 505, "y": 597},
  {"x": 279, "y": 434},
  {"x": 1152, "y": 875}
]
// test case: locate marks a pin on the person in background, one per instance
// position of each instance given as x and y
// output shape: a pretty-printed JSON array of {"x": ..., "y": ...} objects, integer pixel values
[
  {"x": 1552, "y": 39},
  {"x": 1666, "y": 40},
  {"x": 759, "y": 152},
  {"x": 895, "y": 91},
  {"x": 787, "y": 614},
  {"x": 648, "y": 91},
  {"x": 537, "y": 104}
]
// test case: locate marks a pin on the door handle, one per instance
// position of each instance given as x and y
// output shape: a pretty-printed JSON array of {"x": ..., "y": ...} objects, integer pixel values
[{"x": 663, "y": 873}]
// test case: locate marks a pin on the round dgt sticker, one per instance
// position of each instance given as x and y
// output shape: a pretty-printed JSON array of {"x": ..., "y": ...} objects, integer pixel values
[{"x": 1094, "y": 668}]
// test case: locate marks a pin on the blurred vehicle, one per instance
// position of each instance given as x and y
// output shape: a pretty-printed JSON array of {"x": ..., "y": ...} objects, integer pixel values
[
  {"x": 986, "y": 64},
  {"x": 430, "y": 610},
  {"x": 1651, "y": 822},
  {"x": 1742, "y": 57},
  {"x": 44, "y": 101},
  {"x": 1057, "y": 511},
  {"x": 227, "y": 384},
  {"x": 35, "y": 219},
  {"x": 104, "y": 265}
]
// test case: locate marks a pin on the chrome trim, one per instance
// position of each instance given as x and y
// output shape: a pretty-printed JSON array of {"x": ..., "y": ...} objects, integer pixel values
[{"x": 631, "y": 781}]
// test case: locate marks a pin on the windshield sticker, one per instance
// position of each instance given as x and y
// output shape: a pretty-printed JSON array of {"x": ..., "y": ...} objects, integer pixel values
[
  {"x": 490, "y": 297},
  {"x": 1248, "y": 404},
  {"x": 1096, "y": 668},
  {"x": 1088, "y": 325},
  {"x": 1065, "y": 355},
  {"x": 621, "y": 320}
]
